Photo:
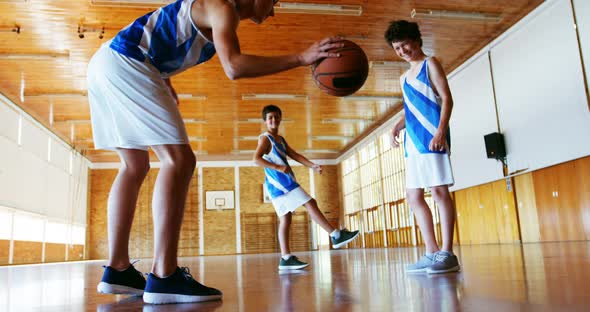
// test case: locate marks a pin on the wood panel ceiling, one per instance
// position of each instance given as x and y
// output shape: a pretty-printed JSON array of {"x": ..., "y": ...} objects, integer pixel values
[{"x": 51, "y": 27}]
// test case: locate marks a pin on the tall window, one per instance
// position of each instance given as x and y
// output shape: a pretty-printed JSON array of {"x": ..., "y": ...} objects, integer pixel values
[{"x": 350, "y": 184}]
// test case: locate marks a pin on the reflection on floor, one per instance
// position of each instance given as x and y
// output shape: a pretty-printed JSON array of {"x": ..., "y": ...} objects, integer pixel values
[{"x": 530, "y": 277}]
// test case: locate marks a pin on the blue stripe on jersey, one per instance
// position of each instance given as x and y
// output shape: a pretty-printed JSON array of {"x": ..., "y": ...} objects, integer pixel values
[
  {"x": 172, "y": 39},
  {"x": 126, "y": 40},
  {"x": 423, "y": 74},
  {"x": 207, "y": 53},
  {"x": 429, "y": 109},
  {"x": 286, "y": 182},
  {"x": 164, "y": 36},
  {"x": 282, "y": 152},
  {"x": 419, "y": 135}
]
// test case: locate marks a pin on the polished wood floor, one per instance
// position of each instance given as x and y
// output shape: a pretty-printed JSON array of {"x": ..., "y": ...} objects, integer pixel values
[{"x": 530, "y": 277}]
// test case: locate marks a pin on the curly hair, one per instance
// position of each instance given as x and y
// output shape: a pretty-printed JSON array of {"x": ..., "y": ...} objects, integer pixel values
[{"x": 402, "y": 30}]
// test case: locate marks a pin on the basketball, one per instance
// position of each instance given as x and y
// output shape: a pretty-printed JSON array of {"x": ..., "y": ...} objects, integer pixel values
[{"x": 344, "y": 75}]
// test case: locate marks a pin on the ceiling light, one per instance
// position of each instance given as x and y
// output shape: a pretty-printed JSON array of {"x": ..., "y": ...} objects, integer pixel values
[
  {"x": 321, "y": 151},
  {"x": 131, "y": 3},
  {"x": 372, "y": 98},
  {"x": 197, "y": 138},
  {"x": 191, "y": 96},
  {"x": 330, "y": 137},
  {"x": 242, "y": 152},
  {"x": 194, "y": 121},
  {"x": 344, "y": 120},
  {"x": 316, "y": 8},
  {"x": 13, "y": 1},
  {"x": 459, "y": 15},
  {"x": 35, "y": 56},
  {"x": 82, "y": 30},
  {"x": 354, "y": 37},
  {"x": 73, "y": 121},
  {"x": 387, "y": 64},
  {"x": 248, "y": 138},
  {"x": 259, "y": 120},
  {"x": 277, "y": 96},
  {"x": 54, "y": 95}
]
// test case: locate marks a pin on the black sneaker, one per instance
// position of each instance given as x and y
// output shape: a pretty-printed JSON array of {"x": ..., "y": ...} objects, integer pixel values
[
  {"x": 291, "y": 264},
  {"x": 179, "y": 287},
  {"x": 345, "y": 238},
  {"x": 129, "y": 281}
]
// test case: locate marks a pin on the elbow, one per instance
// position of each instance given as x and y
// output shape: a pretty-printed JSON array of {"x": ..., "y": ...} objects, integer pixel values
[
  {"x": 232, "y": 70},
  {"x": 231, "y": 74}
]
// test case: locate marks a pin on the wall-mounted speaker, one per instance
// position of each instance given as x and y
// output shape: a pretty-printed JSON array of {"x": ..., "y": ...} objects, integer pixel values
[{"x": 495, "y": 145}]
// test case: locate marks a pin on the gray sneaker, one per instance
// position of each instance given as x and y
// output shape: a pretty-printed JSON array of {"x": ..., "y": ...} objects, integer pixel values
[
  {"x": 444, "y": 262},
  {"x": 423, "y": 263}
]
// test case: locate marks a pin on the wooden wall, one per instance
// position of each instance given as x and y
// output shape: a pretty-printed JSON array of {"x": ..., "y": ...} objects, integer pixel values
[
  {"x": 27, "y": 252},
  {"x": 546, "y": 205},
  {"x": 141, "y": 240},
  {"x": 486, "y": 214},
  {"x": 4, "y": 251},
  {"x": 219, "y": 225},
  {"x": 258, "y": 219}
]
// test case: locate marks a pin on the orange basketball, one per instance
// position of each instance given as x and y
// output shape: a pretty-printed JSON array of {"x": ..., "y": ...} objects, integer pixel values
[{"x": 344, "y": 75}]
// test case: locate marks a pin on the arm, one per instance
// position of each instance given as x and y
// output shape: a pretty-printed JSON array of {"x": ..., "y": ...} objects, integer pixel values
[
  {"x": 224, "y": 22},
  {"x": 303, "y": 160},
  {"x": 172, "y": 91},
  {"x": 441, "y": 87},
  {"x": 395, "y": 132},
  {"x": 263, "y": 148}
]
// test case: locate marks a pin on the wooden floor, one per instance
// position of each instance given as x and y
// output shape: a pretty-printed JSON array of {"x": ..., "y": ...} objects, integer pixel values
[{"x": 531, "y": 277}]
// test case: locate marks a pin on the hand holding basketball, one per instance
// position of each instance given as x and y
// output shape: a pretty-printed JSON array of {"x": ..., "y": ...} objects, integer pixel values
[
  {"x": 345, "y": 74},
  {"x": 320, "y": 50}
]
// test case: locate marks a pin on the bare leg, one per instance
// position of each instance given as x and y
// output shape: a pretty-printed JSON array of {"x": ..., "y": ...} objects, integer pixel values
[
  {"x": 121, "y": 204},
  {"x": 447, "y": 215},
  {"x": 284, "y": 228},
  {"x": 317, "y": 216},
  {"x": 423, "y": 215},
  {"x": 178, "y": 165}
]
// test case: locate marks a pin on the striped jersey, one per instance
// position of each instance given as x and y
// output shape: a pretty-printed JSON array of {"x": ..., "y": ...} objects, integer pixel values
[
  {"x": 422, "y": 108},
  {"x": 167, "y": 37},
  {"x": 278, "y": 183}
]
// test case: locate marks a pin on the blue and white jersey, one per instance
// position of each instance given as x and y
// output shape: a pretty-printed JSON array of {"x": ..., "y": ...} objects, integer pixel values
[
  {"x": 278, "y": 183},
  {"x": 422, "y": 108},
  {"x": 167, "y": 37}
]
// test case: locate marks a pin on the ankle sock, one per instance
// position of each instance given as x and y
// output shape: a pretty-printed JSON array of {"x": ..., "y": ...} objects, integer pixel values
[{"x": 335, "y": 234}]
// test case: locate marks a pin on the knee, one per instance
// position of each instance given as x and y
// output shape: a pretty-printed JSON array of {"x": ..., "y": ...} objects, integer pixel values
[
  {"x": 439, "y": 193},
  {"x": 286, "y": 220},
  {"x": 137, "y": 169},
  {"x": 181, "y": 162},
  {"x": 413, "y": 198}
]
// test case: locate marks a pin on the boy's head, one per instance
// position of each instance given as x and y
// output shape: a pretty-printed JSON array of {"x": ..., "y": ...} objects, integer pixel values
[
  {"x": 270, "y": 109},
  {"x": 405, "y": 38},
  {"x": 402, "y": 30}
]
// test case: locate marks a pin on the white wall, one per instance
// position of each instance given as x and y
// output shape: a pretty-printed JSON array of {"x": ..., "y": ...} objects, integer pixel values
[
  {"x": 39, "y": 173},
  {"x": 474, "y": 115},
  {"x": 582, "y": 10},
  {"x": 539, "y": 91}
]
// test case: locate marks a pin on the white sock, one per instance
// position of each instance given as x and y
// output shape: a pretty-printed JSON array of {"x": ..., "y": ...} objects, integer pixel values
[
  {"x": 286, "y": 257},
  {"x": 335, "y": 234}
]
